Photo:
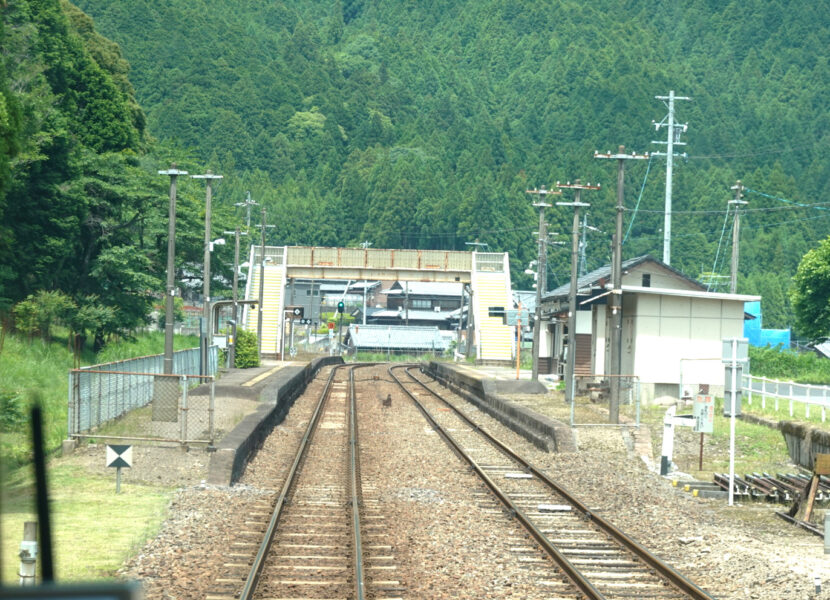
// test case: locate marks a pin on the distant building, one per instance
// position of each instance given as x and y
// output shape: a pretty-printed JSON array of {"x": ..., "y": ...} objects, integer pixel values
[
  {"x": 672, "y": 328},
  {"x": 425, "y": 295},
  {"x": 396, "y": 339}
]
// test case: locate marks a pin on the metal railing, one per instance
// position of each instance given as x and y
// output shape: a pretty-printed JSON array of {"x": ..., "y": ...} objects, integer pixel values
[
  {"x": 102, "y": 394},
  {"x": 802, "y": 393}
]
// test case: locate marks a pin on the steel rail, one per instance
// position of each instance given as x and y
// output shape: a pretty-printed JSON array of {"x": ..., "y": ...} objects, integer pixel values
[
  {"x": 360, "y": 581},
  {"x": 662, "y": 568},
  {"x": 570, "y": 571},
  {"x": 259, "y": 561}
]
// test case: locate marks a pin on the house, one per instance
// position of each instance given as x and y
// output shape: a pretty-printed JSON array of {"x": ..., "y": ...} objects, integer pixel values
[
  {"x": 672, "y": 328},
  {"x": 425, "y": 295},
  {"x": 321, "y": 296}
]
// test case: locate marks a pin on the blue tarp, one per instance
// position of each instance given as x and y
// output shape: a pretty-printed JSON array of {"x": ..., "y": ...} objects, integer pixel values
[{"x": 758, "y": 336}]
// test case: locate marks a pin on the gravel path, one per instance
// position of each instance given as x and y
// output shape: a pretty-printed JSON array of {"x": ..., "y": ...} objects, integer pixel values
[{"x": 443, "y": 531}]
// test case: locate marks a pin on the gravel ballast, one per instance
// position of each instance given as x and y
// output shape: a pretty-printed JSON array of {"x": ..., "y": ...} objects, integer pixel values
[{"x": 447, "y": 539}]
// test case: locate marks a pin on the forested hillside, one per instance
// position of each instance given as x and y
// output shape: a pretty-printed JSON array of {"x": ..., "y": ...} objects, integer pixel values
[
  {"x": 421, "y": 124},
  {"x": 83, "y": 225}
]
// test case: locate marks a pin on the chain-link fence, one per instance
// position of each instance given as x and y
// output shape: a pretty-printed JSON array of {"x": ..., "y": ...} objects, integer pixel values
[
  {"x": 593, "y": 394},
  {"x": 133, "y": 400}
]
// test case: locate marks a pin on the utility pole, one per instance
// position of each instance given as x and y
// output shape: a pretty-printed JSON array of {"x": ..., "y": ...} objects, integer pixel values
[
  {"x": 674, "y": 131},
  {"x": 206, "y": 328},
  {"x": 232, "y": 350},
  {"x": 248, "y": 203},
  {"x": 614, "y": 369},
  {"x": 261, "y": 285},
  {"x": 541, "y": 273},
  {"x": 365, "y": 245},
  {"x": 736, "y": 234},
  {"x": 576, "y": 204},
  {"x": 173, "y": 172}
]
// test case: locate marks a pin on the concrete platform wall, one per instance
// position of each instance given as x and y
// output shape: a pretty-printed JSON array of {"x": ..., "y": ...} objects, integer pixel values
[
  {"x": 238, "y": 447},
  {"x": 486, "y": 394}
]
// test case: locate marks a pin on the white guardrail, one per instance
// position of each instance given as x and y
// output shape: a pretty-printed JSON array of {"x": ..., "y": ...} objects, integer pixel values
[{"x": 806, "y": 394}]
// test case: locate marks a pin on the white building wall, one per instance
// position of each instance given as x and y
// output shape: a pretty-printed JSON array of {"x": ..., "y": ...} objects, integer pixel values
[
  {"x": 671, "y": 330},
  {"x": 599, "y": 341}
]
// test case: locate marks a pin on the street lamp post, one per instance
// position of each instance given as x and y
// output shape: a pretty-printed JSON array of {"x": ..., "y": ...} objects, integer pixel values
[
  {"x": 173, "y": 172},
  {"x": 206, "y": 329}
]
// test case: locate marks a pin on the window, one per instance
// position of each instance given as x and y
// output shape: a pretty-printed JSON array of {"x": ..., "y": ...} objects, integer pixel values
[
  {"x": 420, "y": 304},
  {"x": 646, "y": 279}
]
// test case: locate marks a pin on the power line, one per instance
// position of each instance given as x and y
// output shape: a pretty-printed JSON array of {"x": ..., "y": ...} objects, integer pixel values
[{"x": 776, "y": 150}]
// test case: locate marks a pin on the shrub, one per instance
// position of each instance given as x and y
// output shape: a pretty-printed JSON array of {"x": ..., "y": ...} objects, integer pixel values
[
  {"x": 247, "y": 355},
  {"x": 12, "y": 411}
]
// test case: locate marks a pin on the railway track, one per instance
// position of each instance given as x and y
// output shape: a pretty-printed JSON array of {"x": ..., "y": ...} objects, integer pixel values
[
  {"x": 599, "y": 560},
  {"x": 312, "y": 546}
]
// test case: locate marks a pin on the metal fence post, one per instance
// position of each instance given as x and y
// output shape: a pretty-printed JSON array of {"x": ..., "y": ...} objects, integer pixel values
[
  {"x": 183, "y": 411},
  {"x": 70, "y": 403},
  {"x": 637, "y": 404},
  {"x": 807, "y": 410},
  {"x": 777, "y": 394},
  {"x": 790, "y": 397},
  {"x": 211, "y": 410}
]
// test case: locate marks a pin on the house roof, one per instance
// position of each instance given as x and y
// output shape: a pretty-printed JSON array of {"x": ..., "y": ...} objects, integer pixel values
[
  {"x": 591, "y": 279},
  {"x": 414, "y": 315},
  {"x": 396, "y": 336}
]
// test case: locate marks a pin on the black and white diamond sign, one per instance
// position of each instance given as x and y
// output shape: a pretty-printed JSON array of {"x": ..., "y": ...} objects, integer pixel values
[{"x": 119, "y": 455}]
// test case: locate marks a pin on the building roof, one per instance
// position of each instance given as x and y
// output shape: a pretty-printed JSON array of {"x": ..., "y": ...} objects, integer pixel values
[
  {"x": 396, "y": 337},
  {"x": 426, "y": 288},
  {"x": 591, "y": 279},
  {"x": 414, "y": 315}
]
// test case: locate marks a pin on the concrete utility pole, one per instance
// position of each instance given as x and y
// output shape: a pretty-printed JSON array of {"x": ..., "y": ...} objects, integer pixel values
[
  {"x": 173, "y": 172},
  {"x": 541, "y": 273},
  {"x": 234, "y": 324},
  {"x": 736, "y": 234},
  {"x": 207, "y": 328},
  {"x": 248, "y": 203},
  {"x": 674, "y": 131},
  {"x": 572, "y": 307},
  {"x": 615, "y": 302},
  {"x": 261, "y": 286}
]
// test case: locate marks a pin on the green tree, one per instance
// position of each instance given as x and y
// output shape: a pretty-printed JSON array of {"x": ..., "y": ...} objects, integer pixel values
[{"x": 810, "y": 294}]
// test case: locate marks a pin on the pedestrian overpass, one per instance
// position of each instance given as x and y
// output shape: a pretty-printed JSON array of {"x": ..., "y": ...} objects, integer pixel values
[{"x": 487, "y": 273}]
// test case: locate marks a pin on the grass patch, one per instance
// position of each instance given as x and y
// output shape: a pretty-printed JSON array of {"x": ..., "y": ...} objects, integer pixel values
[
  {"x": 757, "y": 448},
  {"x": 36, "y": 371},
  {"x": 94, "y": 529},
  {"x": 800, "y": 411}
]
